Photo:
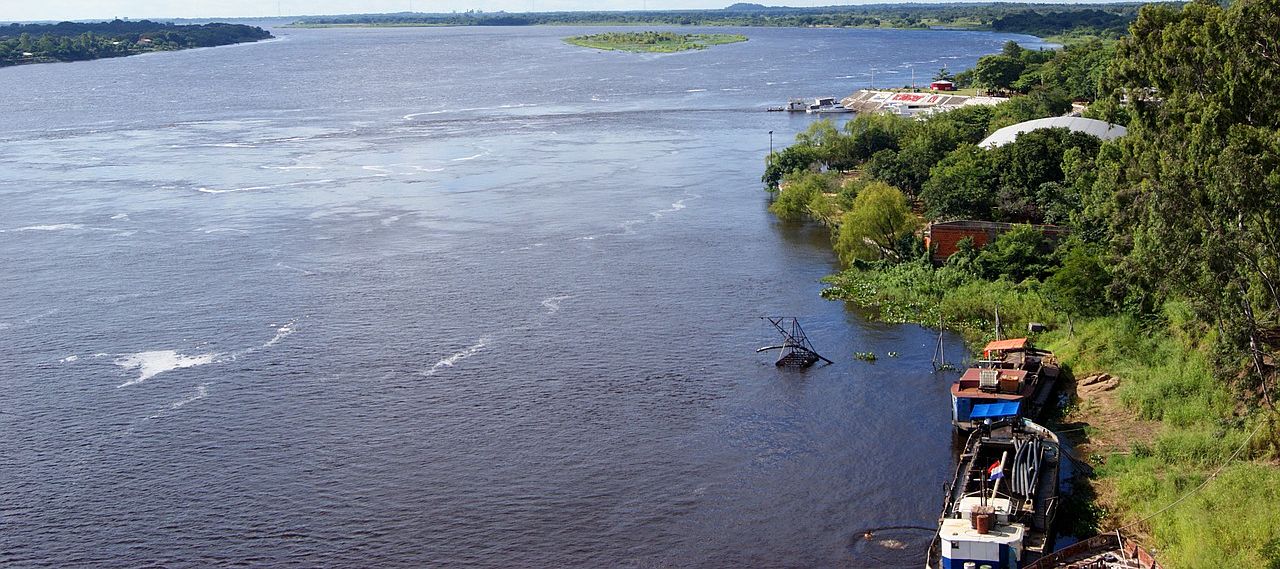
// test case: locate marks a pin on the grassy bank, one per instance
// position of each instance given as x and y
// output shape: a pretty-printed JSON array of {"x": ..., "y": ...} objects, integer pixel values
[
  {"x": 653, "y": 42},
  {"x": 1204, "y": 486},
  {"x": 1175, "y": 460}
]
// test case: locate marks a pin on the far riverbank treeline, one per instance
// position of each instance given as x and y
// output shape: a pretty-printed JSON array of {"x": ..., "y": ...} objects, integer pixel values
[
  {"x": 1154, "y": 257},
  {"x": 1100, "y": 20},
  {"x": 71, "y": 41}
]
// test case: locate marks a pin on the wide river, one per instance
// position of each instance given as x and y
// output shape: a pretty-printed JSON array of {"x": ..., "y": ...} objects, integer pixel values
[{"x": 445, "y": 297}]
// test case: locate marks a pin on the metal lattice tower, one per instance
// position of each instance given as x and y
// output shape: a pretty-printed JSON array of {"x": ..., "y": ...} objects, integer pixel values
[{"x": 796, "y": 350}]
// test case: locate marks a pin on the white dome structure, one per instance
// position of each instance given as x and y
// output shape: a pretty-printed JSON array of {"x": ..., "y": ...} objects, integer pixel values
[{"x": 1100, "y": 129}]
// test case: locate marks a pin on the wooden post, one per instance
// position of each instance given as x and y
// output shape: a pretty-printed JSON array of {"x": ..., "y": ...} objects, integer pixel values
[{"x": 998, "y": 338}]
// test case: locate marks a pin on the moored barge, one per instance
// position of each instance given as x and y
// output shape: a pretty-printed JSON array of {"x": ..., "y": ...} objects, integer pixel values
[{"x": 1001, "y": 503}]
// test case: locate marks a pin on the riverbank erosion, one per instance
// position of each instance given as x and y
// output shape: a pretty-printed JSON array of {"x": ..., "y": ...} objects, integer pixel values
[
  {"x": 1148, "y": 258},
  {"x": 69, "y": 41}
]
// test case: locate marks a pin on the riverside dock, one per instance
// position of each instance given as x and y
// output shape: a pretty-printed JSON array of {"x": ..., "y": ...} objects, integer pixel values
[{"x": 912, "y": 103}]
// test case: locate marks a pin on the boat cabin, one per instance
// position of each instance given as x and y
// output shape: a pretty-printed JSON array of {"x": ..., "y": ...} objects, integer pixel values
[
  {"x": 985, "y": 386},
  {"x": 961, "y": 544},
  {"x": 1010, "y": 370}
]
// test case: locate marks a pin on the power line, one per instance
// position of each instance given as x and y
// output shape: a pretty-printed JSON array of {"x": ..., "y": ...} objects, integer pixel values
[{"x": 1202, "y": 484}]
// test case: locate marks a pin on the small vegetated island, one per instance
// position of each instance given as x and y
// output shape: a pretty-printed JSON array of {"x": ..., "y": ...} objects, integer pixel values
[
  {"x": 653, "y": 42},
  {"x": 69, "y": 41}
]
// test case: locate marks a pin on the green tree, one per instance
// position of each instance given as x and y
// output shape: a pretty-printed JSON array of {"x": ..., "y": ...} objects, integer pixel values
[
  {"x": 926, "y": 144},
  {"x": 1200, "y": 188},
  {"x": 961, "y": 185},
  {"x": 1018, "y": 254},
  {"x": 1040, "y": 102},
  {"x": 791, "y": 159},
  {"x": 836, "y": 150},
  {"x": 872, "y": 133},
  {"x": 802, "y": 196},
  {"x": 1080, "y": 69},
  {"x": 874, "y": 229},
  {"x": 1012, "y": 49},
  {"x": 1031, "y": 162},
  {"x": 1079, "y": 286},
  {"x": 997, "y": 72}
]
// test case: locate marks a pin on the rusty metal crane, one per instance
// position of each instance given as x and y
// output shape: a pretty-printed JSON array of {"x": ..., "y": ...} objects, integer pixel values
[{"x": 797, "y": 351}]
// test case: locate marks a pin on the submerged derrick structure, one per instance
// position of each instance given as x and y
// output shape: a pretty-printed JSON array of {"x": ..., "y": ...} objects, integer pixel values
[{"x": 796, "y": 350}]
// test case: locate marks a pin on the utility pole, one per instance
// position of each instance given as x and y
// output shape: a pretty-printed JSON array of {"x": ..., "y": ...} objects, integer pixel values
[{"x": 771, "y": 144}]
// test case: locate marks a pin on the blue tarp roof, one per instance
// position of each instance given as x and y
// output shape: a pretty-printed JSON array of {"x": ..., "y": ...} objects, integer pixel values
[{"x": 995, "y": 410}]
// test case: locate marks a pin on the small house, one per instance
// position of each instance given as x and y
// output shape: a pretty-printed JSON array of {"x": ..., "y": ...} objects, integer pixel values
[{"x": 942, "y": 85}]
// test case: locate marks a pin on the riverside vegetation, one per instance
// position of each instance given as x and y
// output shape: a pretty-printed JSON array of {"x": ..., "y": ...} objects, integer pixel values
[
  {"x": 1169, "y": 280},
  {"x": 653, "y": 42},
  {"x": 69, "y": 41}
]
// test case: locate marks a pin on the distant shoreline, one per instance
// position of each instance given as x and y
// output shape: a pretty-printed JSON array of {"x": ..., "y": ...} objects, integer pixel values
[
  {"x": 1057, "y": 39},
  {"x": 68, "y": 42},
  {"x": 1059, "y": 23}
]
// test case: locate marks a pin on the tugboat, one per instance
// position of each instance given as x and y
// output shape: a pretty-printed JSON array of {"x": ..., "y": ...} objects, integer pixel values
[
  {"x": 1001, "y": 504},
  {"x": 1011, "y": 373}
]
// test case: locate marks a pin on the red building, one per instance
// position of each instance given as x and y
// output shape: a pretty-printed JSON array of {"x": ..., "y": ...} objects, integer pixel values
[
  {"x": 942, "y": 85},
  {"x": 941, "y": 238}
]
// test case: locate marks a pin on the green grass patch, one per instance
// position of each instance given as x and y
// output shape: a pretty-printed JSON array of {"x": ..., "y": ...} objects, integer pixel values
[
  {"x": 653, "y": 42},
  {"x": 1167, "y": 375}
]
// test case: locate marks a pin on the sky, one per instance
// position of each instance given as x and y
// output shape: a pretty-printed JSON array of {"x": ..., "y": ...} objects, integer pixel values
[
  {"x": 20, "y": 10},
  {"x": 27, "y": 10}
]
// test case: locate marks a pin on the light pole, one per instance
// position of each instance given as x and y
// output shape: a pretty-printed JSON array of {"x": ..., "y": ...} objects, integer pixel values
[{"x": 771, "y": 144}]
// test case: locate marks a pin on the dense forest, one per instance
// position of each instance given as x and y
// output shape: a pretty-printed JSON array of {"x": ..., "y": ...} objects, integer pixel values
[
  {"x": 1102, "y": 20},
  {"x": 70, "y": 41},
  {"x": 1168, "y": 276}
]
